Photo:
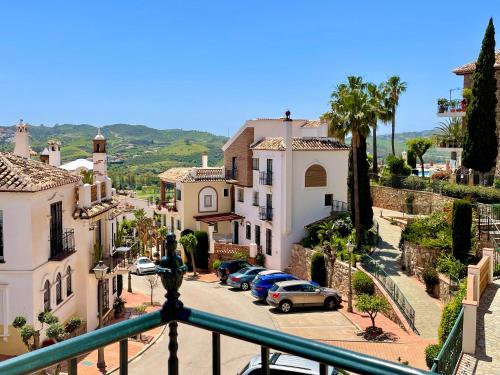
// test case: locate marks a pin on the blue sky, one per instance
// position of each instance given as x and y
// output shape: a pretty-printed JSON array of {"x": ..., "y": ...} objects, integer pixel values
[{"x": 210, "y": 65}]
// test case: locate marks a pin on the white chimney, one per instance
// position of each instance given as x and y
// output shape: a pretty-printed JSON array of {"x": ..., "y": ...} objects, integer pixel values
[
  {"x": 287, "y": 172},
  {"x": 22, "y": 140},
  {"x": 55, "y": 153},
  {"x": 204, "y": 159}
]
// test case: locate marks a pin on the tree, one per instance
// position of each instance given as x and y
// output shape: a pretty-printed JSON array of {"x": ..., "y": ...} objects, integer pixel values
[
  {"x": 393, "y": 89},
  {"x": 189, "y": 242},
  {"x": 161, "y": 236},
  {"x": 87, "y": 177},
  {"x": 419, "y": 147},
  {"x": 152, "y": 281},
  {"x": 461, "y": 229},
  {"x": 351, "y": 112},
  {"x": 480, "y": 140},
  {"x": 381, "y": 112},
  {"x": 372, "y": 305},
  {"x": 318, "y": 268},
  {"x": 451, "y": 132}
]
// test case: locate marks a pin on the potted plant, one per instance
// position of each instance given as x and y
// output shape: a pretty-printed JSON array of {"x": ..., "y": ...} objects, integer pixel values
[
  {"x": 467, "y": 96},
  {"x": 442, "y": 105},
  {"x": 431, "y": 279}
]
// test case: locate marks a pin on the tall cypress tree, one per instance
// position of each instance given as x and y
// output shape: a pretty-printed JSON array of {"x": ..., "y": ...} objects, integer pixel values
[
  {"x": 480, "y": 141},
  {"x": 365, "y": 198}
]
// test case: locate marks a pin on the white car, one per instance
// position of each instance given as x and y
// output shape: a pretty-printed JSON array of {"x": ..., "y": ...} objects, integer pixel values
[{"x": 143, "y": 265}]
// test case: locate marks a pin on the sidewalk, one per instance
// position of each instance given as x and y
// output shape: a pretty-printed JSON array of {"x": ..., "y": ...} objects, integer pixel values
[{"x": 427, "y": 309}]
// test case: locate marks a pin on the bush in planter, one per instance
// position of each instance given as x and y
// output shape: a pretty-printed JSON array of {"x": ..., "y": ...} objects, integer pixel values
[
  {"x": 431, "y": 352},
  {"x": 216, "y": 264},
  {"x": 260, "y": 259},
  {"x": 447, "y": 264},
  {"x": 318, "y": 268},
  {"x": 461, "y": 229},
  {"x": 362, "y": 283},
  {"x": 73, "y": 324},
  {"x": 431, "y": 278}
]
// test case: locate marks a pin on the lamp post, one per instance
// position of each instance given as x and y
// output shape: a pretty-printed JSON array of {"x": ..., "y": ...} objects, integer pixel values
[
  {"x": 350, "y": 248},
  {"x": 100, "y": 274}
]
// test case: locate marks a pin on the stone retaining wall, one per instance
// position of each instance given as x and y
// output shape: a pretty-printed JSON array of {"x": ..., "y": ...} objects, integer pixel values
[
  {"x": 415, "y": 258},
  {"x": 424, "y": 202}
]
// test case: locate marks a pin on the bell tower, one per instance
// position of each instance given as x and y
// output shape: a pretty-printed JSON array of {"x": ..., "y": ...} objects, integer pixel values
[
  {"x": 55, "y": 153},
  {"x": 99, "y": 157},
  {"x": 22, "y": 140}
]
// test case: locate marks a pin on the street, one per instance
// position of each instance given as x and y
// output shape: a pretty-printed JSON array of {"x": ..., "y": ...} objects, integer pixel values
[{"x": 195, "y": 345}]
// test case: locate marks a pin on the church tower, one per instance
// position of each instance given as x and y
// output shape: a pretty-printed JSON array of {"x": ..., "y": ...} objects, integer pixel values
[
  {"x": 99, "y": 157},
  {"x": 22, "y": 140}
]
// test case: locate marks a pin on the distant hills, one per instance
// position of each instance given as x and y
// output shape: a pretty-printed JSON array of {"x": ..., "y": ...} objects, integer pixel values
[{"x": 140, "y": 152}]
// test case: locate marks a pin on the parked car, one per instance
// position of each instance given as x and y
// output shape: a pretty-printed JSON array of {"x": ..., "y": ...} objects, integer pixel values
[
  {"x": 244, "y": 277},
  {"x": 261, "y": 284},
  {"x": 289, "y": 294},
  {"x": 231, "y": 266},
  {"x": 143, "y": 265},
  {"x": 285, "y": 364}
]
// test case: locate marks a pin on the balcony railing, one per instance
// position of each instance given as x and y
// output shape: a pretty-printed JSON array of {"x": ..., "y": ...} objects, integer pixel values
[
  {"x": 64, "y": 246},
  {"x": 232, "y": 174},
  {"x": 339, "y": 206},
  {"x": 266, "y": 213},
  {"x": 325, "y": 355},
  {"x": 266, "y": 178},
  {"x": 451, "y": 108}
]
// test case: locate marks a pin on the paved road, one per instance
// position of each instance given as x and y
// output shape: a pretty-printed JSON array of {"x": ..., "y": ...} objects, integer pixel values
[
  {"x": 427, "y": 310},
  {"x": 214, "y": 298}
]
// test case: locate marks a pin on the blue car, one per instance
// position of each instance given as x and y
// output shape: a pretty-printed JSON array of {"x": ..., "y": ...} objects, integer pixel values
[
  {"x": 262, "y": 283},
  {"x": 244, "y": 277}
]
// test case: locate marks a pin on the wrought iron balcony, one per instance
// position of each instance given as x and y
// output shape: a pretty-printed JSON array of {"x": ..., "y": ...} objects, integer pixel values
[
  {"x": 62, "y": 246},
  {"x": 232, "y": 174},
  {"x": 266, "y": 213},
  {"x": 266, "y": 178}
]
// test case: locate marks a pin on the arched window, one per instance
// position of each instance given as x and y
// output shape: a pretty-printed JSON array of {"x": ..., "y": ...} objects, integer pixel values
[
  {"x": 315, "y": 176},
  {"x": 207, "y": 199},
  {"x": 58, "y": 289},
  {"x": 69, "y": 287},
  {"x": 46, "y": 296}
]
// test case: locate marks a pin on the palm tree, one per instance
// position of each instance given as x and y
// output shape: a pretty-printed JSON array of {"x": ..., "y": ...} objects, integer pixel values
[
  {"x": 161, "y": 236},
  {"x": 394, "y": 88},
  {"x": 451, "y": 132},
  {"x": 352, "y": 112},
  {"x": 189, "y": 242},
  {"x": 87, "y": 176},
  {"x": 377, "y": 97}
]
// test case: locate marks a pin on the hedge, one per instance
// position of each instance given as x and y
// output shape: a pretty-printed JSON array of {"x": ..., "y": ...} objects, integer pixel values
[
  {"x": 431, "y": 352},
  {"x": 450, "y": 314},
  {"x": 362, "y": 283},
  {"x": 461, "y": 229},
  {"x": 480, "y": 194},
  {"x": 318, "y": 268}
]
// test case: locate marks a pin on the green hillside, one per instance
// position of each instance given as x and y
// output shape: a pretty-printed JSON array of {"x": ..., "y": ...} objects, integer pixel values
[{"x": 136, "y": 153}]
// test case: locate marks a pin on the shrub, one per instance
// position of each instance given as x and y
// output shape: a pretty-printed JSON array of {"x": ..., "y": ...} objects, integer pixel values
[
  {"x": 441, "y": 175},
  {"x": 450, "y": 314},
  {"x": 239, "y": 255},
  {"x": 415, "y": 183},
  {"x": 396, "y": 166},
  {"x": 73, "y": 324},
  {"x": 431, "y": 231},
  {"x": 56, "y": 332},
  {"x": 202, "y": 249},
  {"x": 343, "y": 226},
  {"x": 496, "y": 184},
  {"x": 27, "y": 332},
  {"x": 47, "y": 318},
  {"x": 409, "y": 203},
  {"x": 260, "y": 259},
  {"x": 480, "y": 194},
  {"x": 461, "y": 229},
  {"x": 318, "y": 268},
  {"x": 411, "y": 159},
  {"x": 140, "y": 309},
  {"x": 372, "y": 305},
  {"x": 19, "y": 322},
  {"x": 431, "y": 278},
  {"x": 431, "y": 352},
  {"x": 216, "y": 264},
  {"x": 447, "y": 264},
  {"x": 362, "y": 283}
]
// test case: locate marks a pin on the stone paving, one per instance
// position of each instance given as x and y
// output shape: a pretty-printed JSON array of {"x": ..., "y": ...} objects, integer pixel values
[{"x": 427, "y": 308}]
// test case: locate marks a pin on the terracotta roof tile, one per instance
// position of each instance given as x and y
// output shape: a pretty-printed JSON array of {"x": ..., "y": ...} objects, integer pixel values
[
  {"x": 193, "y": 174},
  {"x": 312, "y": 124},
  {"x": 26, "y": 175},
  {"x": 300, "y": 144},
  {"x": 96, "y": 209},
  {"x": 470, "y": 67}
]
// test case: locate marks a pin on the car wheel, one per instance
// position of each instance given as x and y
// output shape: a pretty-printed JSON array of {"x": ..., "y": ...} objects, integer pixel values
[
  {"x": 286, "y": 306},
  {"x": 331, "y": 304},
  {"x": 245, "y": 286}
]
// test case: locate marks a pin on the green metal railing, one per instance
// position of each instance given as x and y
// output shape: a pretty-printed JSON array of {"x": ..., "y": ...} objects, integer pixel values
[
  {"x": 392, "y": 289},
  {"x": 325, "y": 354},
  {"x": 447, "y": 359}
]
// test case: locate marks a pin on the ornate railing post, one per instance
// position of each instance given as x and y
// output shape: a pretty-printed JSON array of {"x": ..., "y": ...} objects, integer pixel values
[{"x": 171, "y": 270}]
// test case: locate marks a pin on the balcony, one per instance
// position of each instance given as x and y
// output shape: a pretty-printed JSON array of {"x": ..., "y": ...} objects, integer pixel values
[
  {"x": 174, "y": 313},
  {"x": 63, "y": 246},
  {"x": 266, "y": 178},
  {"x": 232, "y": 174},
  {"x": 339, "y": 207},
  {"x": 266, "y": 213},
  {"x": 451, "y": 108}
]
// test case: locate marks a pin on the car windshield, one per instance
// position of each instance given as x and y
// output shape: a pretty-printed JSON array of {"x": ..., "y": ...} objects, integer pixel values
[
  {"x": 274, "y": 288},
  {"x": 143, "y": 261},
  {"x": 244, "y": 270}
]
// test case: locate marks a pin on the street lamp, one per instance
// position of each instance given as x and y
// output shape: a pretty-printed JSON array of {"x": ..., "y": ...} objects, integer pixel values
[
  {"x": 100, "y": 274},
  {"x": 350, "y": 248}
]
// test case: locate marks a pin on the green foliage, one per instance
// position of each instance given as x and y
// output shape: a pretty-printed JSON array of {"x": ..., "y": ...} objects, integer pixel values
[
  {"x": 260, "y": 259},
  {"x": 496, "y": 183},
  {"x": 186, "y": 231},
  {"x": 56, "y": 332},
  {"x": 448, "y": 265},
  {"x": 140, "y": 309},
  {"x": 73, "y": 324},
  {"x": 431, "y": 352},
  {"x": 372, "y": 305},
  {"x": 395, "y": 166},
  {"x": 216, "y": 264},
  {"x": 480, "y": 142},
  {"x": 239, "y": 255},
  {"x": 318, "y": 268},
  {"x": 97, "y": 252},
  {"x": 362, "y": 283},
  {"x": 419, "y": 147},
  {"x": 411, "y": 158},
  {"x": 409, "y": 203},
  {"x": 27, "y": 332},
  {"x": 450, "y": 313},
  {"x": 431, "y": 231},
  {"x": 47, "y": 317},
  {"x": 415, "y": 183},
  {"x": 19, "y": 322},
  {"x": 202, "y": 247},
  {"x": 118, "y": 306},
  {"x": 480, "y": 194},
  {"x": 461, "y": 229},
  {"x": 431, "y": 278}
]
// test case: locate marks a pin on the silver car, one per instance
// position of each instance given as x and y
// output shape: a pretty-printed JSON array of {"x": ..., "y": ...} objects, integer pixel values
[
  {"x": 285, "y": 364},
  {"x": 286, "y": 295}
]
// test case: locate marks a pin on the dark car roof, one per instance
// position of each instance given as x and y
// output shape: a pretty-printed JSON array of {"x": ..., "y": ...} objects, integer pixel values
[{"x": 228, "y": 262}]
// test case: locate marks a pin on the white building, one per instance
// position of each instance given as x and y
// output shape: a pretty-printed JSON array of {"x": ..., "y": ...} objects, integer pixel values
[
  {"x": 49, "y": 224},
  {"x": 286, "y": 174}
]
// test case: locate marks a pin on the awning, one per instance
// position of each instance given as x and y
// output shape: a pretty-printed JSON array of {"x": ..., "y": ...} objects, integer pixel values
[
  {"x": 122, "y": 249},
  {"x": 215, "y": 218}
]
